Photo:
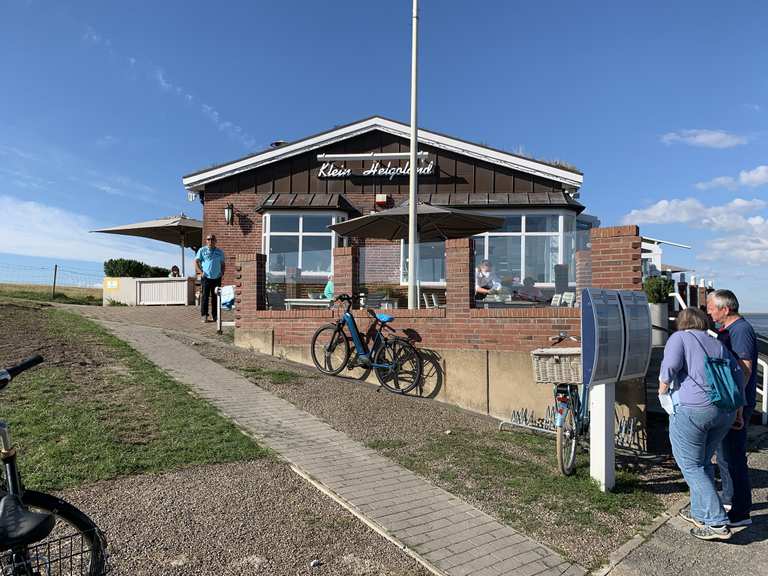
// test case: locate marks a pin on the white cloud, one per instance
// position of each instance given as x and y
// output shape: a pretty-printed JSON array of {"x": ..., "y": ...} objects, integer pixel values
[
  {"x": 743, "y": 228},
  {"x": 106, "y": 141},
  {"x": 748, "y": 178},
  {"x": 756, "y": 177},
  {"x": 36, "y": 229},
  {"x": 704, "y": 138}
]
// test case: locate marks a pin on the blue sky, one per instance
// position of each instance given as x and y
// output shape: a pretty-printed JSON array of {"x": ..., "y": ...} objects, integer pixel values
[{"x": 663, "y": 105}]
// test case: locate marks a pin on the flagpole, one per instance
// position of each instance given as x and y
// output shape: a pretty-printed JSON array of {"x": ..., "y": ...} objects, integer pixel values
[{"x": 413, "y": 301}]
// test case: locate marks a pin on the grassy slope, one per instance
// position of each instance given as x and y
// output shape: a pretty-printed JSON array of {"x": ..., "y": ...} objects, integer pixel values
[
  {"x": 79, "y": 424},
  {"x": 64, "y": 294}
]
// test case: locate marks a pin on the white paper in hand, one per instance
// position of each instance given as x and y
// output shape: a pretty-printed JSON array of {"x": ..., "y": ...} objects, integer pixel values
[{"x": 666, "y": 402}]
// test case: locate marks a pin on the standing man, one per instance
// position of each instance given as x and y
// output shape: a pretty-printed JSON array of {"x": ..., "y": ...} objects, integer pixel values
[
  {"x": 739, "y": 337},
  {"x": 209, "y": 265}
]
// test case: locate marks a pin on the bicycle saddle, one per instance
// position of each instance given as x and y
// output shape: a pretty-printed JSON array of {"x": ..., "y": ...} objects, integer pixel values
[
  {"x": 384, "y": 318},
  {"x": 19, "y": 526}
]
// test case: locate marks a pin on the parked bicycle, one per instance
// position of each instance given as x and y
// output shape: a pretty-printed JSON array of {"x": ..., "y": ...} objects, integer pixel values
[
  {"x": 571, "y": 418},
  {"x": 41, "y": 535},
  {"x": 396, "y": 362}
]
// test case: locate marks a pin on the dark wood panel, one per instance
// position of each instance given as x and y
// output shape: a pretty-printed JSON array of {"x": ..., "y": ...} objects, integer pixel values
[
  {"x": 483, "y": 178},
  {"x": 264, "y": 179},
  {"x": 446, "y": 173},
  {"x": 389, "y": 143},
  {"x": 541, "y": 186},
  {"x": 300, "y": 174},
  {"x": 504, "y": 180},
  {"x": 465, "y": 176},
  {"x": 246, "y": 183},
  {"x": 282, "y": 177},
  {"x": 523, "y": 183}
]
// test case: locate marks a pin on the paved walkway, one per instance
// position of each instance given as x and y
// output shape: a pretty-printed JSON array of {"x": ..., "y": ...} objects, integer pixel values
[
  {"x": 450, "y": 536},
  {"x": 672, "y": 550}
]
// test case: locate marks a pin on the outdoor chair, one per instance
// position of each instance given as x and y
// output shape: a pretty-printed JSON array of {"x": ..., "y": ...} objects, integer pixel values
[
  {"x": 569, "y": 298},
  {"x": 557, "y": 300},
  {"x": 275, "y": 300}
]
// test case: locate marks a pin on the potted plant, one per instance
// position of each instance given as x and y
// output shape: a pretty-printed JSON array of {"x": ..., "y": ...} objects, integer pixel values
[{"x": 657, "y": 289}]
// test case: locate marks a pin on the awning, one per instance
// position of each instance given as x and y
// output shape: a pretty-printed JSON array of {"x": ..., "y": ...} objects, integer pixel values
[
  {"x": 286, "y": 201},
  {"x": 549, "y": 199}
]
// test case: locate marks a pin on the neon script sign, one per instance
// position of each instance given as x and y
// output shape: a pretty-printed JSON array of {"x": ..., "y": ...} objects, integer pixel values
[{"x": 330, "y": 170}]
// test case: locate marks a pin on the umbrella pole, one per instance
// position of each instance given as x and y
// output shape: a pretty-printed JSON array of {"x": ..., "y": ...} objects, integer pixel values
[
  {"x": 413, "y": 297},
  {"x": 183, "y": 272}
]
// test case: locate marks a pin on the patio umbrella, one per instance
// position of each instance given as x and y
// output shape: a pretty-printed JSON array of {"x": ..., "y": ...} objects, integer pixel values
[
  {"x": 181, "y": 230},
  {"x": 433, "y": 223}
]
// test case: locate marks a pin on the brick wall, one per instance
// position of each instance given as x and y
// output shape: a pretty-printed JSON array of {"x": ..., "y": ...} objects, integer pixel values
[{"x": 616, "y": 257}]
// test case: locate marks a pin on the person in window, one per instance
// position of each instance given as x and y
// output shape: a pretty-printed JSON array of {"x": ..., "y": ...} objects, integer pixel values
[
  {"x": 486, "y": 280},
  {"x": 529, "y": 291},
  {"x": 174, "y": 272},
  {"x": 328, "y": 290}
]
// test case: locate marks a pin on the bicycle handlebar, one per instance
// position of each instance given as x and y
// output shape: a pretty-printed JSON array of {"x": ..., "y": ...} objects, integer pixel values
[{"x": 13, "y": 371}]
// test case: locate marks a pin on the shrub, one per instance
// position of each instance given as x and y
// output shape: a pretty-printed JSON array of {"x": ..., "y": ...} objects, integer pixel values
[
  {"x": 121, "y": 267},
  {"x": 657, "y": 288}
]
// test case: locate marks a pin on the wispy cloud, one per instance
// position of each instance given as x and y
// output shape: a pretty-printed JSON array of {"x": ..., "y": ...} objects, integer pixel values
[
  {"x": 704, "y": 138},
  {"x": 91, "y": 36},
  {"x": 754, "y": 107},
  {"x": 742, "y": 223},
  {"x": 37, "y": 229},
  {"x": 748, "y": 178},
  {"x": 107, "y": 141}
]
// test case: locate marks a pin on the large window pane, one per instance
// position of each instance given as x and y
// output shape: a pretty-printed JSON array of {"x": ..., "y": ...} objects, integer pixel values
[
  {"x": 284, "y": 223},
  {"x": 504, "y": 253},
  {"x": 512, "y": 224},
  {"x": 283, "y": 253},
  {"x": 542, "y": 223},
  {"x": 316, "y": 254},
  {"x": 431, "y": 261},
  {"x": 478, "y": 243},
  {"x": 317, "y": 223},
  {"x": 541, "y": 254}
]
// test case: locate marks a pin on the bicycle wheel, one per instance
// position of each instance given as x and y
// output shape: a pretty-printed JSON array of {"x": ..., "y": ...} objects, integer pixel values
[
  {"x": 330, "y": 349},
  {"x": 404, "y": 366},
  {"x": 75, "y": 547},
  {"x": 567, "y": 439}
]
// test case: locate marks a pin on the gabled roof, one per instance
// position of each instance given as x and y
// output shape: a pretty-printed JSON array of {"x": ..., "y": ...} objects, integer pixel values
[{"x": 569, "y": 177}]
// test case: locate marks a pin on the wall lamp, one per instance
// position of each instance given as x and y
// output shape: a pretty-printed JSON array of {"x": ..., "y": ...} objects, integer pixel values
[{"x": 229, "y": 214}]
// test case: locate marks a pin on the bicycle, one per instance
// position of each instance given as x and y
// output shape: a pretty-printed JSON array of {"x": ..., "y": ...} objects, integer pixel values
[
  {"x": 571, "y": 417},
  {"x": 42, "y": 535},
  {"x": 396, "y": 362}
]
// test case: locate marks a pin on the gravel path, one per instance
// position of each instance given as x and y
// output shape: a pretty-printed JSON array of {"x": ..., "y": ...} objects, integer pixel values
[{"x": 234, "y": 519}]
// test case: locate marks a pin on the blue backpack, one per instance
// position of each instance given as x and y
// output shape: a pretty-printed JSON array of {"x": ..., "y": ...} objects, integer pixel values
[{"x": 724, "y": 391}]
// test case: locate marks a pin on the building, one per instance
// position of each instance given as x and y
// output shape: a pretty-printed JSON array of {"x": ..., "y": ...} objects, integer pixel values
[{"x": 284, "y": 198}]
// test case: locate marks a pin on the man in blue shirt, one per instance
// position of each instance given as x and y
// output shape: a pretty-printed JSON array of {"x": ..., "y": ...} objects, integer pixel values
[
  {"x": 739, "y": 337},
  {"x": 209, "y": 264}
]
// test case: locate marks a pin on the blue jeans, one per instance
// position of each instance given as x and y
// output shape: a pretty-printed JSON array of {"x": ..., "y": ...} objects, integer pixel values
[
  {"x": 734, "y": 471},
  {"x": 695, "y": 433}
]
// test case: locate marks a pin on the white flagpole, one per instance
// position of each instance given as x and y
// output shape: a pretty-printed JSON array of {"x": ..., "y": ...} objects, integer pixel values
[{"x": 413, "y": 296}]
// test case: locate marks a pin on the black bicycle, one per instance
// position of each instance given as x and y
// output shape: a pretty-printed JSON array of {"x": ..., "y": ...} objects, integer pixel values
[
  {"x": 395, "y": 360},
  {"x": 42, "y": 535}
]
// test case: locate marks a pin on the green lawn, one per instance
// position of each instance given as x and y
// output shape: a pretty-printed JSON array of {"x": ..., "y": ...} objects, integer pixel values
[
  {"x": 64, "y": 294},
  {"x": 116, "y": 414}
]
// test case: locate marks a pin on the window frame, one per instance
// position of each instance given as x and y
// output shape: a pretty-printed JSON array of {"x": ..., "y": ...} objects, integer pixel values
[{"x": 266, "y": 234}]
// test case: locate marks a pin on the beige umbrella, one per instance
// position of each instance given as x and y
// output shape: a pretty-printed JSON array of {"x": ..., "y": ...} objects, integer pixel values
[{"x": 181, "y": 230}]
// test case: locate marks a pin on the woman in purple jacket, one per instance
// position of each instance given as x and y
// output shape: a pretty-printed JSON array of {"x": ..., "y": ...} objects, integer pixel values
[{"x": 696, "y": 426}]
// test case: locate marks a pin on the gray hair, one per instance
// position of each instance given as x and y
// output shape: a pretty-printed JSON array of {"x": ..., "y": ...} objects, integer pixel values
[{"x": 725, "y": 299}]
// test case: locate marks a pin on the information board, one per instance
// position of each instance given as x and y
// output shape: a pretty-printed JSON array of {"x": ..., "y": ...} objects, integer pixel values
[
  {"x": 602, "y": 336},
  {"x": 637, "y": 334}
]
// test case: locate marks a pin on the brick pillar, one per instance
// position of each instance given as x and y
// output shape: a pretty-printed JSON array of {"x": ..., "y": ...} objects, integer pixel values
[
  {"x": 583, "y": 262},
  {"x": 616, "y": 258},
  {"x": 250, "y": 285},
  {"x": 345, "y": 271},
  {"x": 459, "y": 281}
]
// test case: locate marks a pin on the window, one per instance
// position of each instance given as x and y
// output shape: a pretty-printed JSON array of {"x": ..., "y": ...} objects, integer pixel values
[
  {"x": 296, "y": 240},
  {"x": 528, "y": 245},
  {"x": 431, "y": 262}
]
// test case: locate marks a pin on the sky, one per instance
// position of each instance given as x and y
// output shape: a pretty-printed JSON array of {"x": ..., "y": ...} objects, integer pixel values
[{"x": 662, "y": 105}]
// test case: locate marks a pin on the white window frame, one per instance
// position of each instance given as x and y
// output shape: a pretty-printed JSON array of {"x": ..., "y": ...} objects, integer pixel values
[
  {"x": 562, "y": 214},
  {"x": 266, "y": 234}
]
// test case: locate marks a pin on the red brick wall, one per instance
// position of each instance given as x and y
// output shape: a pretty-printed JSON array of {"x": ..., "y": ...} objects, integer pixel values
[{"x": 616, "y": 258}]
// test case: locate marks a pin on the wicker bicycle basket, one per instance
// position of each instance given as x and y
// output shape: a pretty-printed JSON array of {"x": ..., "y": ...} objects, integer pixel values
[{"x": 557, "y": 365}]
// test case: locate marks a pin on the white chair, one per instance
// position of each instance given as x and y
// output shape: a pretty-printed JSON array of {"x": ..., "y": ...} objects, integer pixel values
[
  {"x": 557, "y": 299},
  {"x": 569, "y": 298}
]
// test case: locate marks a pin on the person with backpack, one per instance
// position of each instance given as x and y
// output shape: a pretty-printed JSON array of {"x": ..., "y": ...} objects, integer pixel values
[
  {"x": 705, "y": 384},
  {"x": 739, "y": 337}
]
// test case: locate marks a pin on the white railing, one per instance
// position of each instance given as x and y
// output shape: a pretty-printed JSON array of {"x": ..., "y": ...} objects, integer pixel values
[
  {"x": 219, "y": 322},
  {"x": 764, "y": 392}
]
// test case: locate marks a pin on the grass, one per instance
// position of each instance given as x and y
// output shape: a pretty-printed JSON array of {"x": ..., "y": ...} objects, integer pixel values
[
  {"x": 64, "y": 294},
  {"x": 515, "y": 475},
  {"x": 78, "y": 424}
]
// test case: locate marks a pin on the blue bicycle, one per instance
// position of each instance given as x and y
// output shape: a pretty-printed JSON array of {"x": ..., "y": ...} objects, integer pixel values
[
  {"x": 571, "y": 418},
  {"x": 396, "y": 362}
]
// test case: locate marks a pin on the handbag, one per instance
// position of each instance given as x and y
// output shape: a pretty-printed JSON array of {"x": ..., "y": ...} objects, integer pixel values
[{"x": 724, "y": 392}]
